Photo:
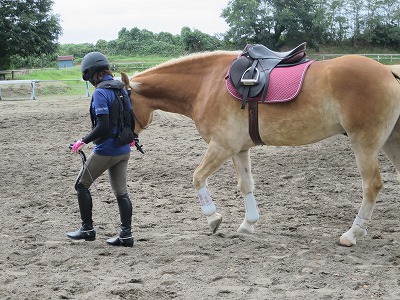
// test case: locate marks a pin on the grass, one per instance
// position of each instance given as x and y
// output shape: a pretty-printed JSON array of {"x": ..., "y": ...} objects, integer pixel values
[{"x": 68, "y": 81}]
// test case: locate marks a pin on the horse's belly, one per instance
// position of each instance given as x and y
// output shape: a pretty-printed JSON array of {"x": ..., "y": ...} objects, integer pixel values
[{"x": 293, "y": 127}]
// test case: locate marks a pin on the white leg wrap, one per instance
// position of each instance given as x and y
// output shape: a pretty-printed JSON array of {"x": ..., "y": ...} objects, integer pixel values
[
  {"x": 252, "y": 214},
  {"x": 207, "y": 206},
  {"x": 357, "y": 230},
  {"x": 362, "y": 223}
]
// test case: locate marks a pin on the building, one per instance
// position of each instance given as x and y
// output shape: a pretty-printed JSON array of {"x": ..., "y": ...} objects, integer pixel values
[{"x": 65, "y": 61}]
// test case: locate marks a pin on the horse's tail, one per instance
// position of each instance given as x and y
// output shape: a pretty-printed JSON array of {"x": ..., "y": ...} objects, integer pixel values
[{"x": 392, "y": 144}]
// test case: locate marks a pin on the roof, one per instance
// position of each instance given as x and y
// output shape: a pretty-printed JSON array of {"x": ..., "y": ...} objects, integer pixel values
[{"x": 66, "y": 57}]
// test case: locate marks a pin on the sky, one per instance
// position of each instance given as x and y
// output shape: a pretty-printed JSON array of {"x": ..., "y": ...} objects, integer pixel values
[{"x": 87, "y": 21}]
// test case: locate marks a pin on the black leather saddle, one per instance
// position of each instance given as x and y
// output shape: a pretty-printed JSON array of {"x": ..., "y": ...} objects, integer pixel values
[{"x": 249, "y": 73}]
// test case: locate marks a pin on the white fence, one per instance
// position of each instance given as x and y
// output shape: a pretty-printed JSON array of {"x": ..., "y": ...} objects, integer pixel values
[
  {"x": 32, "y": 86},
  {"x": 384, "y": 58},
  {"x": 11, "y": 82}
]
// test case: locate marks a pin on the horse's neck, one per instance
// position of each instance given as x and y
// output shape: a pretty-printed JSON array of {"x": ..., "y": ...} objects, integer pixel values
[
  {"x": 171, "y": 91},
  {"x": 175, "y": 86}
]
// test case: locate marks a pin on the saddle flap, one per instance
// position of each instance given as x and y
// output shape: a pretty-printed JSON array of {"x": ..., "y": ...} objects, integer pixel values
[{"x": 238, "y": 68}]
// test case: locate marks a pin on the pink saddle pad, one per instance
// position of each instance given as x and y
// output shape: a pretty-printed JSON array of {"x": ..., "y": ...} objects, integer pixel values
[{"x": 284, "y": 84}]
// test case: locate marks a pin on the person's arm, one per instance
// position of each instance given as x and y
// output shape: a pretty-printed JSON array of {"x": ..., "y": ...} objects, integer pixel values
[{"x": 101, "y": 129}]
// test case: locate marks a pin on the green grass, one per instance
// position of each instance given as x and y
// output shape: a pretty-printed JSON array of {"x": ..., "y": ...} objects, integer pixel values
[
  {"x": 52, "y": 74},
  {"x": 68, "y": 81}
]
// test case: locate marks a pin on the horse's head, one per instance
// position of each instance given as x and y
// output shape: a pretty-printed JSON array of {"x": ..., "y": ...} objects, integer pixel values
[{"x": 143, "y": 112}]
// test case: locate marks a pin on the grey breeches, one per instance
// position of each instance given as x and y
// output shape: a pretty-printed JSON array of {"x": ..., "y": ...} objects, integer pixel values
[{"x": 116, "y": 166}]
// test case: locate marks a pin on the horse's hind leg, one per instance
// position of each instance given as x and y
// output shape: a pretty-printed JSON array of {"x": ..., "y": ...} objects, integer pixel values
[
  {"x": 242, "y": 164},
  {"x": 367, "y": 162}
]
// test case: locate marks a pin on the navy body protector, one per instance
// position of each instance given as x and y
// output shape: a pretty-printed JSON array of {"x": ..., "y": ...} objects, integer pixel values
[{"x": 120, "y": 114}]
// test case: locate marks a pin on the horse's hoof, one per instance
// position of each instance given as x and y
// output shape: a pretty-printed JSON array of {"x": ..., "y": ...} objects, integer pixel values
[
  {"x": 346, "y": 240},
  {"x": 246, "y": 227},
  {"x": 214, "y": 221}
]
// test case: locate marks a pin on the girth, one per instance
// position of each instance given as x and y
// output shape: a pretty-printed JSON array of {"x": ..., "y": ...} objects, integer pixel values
[{"x": 249, "y": 74}]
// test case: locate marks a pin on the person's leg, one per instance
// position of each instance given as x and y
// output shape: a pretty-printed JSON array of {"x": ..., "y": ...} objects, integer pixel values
[
  {"x": 93, "y": 168},
  {"x": 117, "y": 176}
]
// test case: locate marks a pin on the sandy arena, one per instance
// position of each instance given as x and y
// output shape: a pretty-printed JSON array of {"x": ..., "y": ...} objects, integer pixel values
[{"x": 308, "y": 196}]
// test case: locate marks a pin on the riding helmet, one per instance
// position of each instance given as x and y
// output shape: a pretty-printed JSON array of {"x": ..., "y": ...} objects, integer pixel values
[{"x": 93, "y": 62}]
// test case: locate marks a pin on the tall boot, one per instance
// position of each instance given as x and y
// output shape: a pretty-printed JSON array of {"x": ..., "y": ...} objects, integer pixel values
[
  {"x": 124, "y": 238},
  {"x": 86, "y": 231}
]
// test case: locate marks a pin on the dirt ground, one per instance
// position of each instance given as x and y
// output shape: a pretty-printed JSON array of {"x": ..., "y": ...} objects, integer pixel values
[{"x": 308, "y": 196}]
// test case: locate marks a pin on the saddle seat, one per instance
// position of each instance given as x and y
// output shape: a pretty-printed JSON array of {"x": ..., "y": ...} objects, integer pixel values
[
  {"x": 261, "y": 52},
  {"x": 249, "y": 73}
]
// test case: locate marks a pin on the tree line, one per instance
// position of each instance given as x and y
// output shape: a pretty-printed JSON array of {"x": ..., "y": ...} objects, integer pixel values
[{"x": 278, "y": 24}]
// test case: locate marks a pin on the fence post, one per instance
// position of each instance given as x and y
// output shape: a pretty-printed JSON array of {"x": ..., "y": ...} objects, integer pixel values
[
  {"x": 87, "y": 89},
  {"x": 33, "y": 97}
]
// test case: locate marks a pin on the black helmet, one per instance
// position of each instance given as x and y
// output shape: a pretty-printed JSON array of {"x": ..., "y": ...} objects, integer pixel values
[{"x": 93, "y": 62}]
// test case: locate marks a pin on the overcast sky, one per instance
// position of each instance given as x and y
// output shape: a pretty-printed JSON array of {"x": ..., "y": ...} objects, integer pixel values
[{"x": 87, "y": 21}]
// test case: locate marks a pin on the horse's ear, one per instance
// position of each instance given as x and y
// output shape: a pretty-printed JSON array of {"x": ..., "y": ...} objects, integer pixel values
[{"x": 125, "y": 80}]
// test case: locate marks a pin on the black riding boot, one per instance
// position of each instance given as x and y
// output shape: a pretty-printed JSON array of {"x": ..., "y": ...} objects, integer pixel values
[
  {"x": 125, "y": 211},
  {"x": 86, "y": 231}
]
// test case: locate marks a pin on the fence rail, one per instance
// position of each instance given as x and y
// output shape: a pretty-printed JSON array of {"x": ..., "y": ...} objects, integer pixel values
[
  {"x": 388, "y": 58},
  {"x": 33, "y": 86},
  {"x": 378, "y": 57}
]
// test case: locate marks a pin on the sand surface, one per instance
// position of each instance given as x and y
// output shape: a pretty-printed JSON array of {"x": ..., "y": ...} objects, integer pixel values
[{"x": 308, "y": 196}]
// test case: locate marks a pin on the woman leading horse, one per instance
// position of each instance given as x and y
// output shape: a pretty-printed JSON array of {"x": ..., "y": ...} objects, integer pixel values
[{"x": 350, "y": 95}]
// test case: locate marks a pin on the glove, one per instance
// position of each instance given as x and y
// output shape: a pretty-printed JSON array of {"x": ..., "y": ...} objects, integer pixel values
[
  {"x": 133, "y": 143},
  {"x": 77, "y": 146}
]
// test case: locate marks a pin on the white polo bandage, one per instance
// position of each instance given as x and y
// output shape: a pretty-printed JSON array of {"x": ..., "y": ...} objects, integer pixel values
[
  {"x": 362, "y": 223},
  {"x": 252, "y": 214},
  {"x": 207, "y": 206}
]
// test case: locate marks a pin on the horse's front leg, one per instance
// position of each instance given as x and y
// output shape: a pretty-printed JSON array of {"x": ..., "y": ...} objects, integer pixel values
[
  {"x": 214, "y": 158},
  {"x": 242, "y": 164},
  {"x": 371, "y": 185}
]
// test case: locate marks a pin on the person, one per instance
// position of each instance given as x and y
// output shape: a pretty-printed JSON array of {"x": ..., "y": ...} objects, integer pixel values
[{"x": 107, "y": 155}]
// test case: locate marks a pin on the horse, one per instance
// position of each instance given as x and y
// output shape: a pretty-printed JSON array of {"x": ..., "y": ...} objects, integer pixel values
[{"x": 351, "y": 95}]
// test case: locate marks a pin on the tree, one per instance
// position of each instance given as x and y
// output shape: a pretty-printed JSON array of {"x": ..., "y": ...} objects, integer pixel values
[
  {"x": 197, "y": 41},
  {"x": 275, "y": 23},
  {"x": 250, "y": 21},
  {"x": 28, "y": 28}
]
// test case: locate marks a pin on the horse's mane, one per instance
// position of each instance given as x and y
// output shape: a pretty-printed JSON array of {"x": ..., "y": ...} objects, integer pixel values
[
  {"x": 189, "y": 57},
  {"x": 194, "y": 56}
]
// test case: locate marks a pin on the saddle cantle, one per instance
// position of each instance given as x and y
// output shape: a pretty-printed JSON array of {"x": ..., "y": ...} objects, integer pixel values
[{"x": 249, "y": 73}]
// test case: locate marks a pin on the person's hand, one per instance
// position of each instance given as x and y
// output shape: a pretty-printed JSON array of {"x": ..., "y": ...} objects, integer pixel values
[
  {"x": 77, "y": 146},
  {"x": 133, "y": 143}
]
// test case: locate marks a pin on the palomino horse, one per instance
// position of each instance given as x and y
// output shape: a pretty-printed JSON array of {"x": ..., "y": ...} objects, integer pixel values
[{"x": 350, "y": 95}]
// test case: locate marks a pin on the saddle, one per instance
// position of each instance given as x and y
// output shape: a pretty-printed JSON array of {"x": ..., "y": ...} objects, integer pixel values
[{"x": 249, "y": 73}]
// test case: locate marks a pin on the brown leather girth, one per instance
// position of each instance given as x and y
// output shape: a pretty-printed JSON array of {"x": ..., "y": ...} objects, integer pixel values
[{"x": 253, "y": 123}]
